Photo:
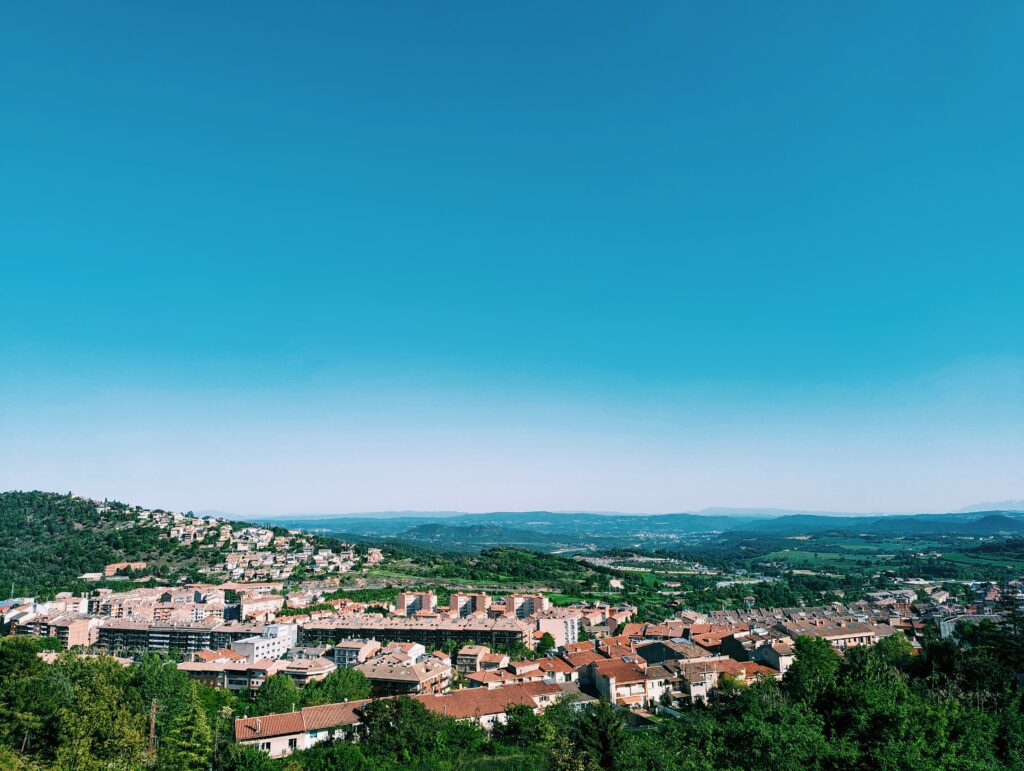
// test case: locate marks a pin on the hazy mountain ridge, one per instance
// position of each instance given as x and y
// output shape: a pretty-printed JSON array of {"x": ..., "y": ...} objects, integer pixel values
[
  {"x": 551, "y": 531},
  {"x": 1011, "y": 505}
]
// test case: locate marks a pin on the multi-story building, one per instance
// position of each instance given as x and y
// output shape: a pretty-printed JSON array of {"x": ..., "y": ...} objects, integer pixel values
[
  {"x": 840, "y": 634},
  {"x": 433, "y": 632},
  {"x": 184, "y": 638},
  {"x": 260, "y": 606},
  {"x": 462, "y": 605},
  {"x": 409, "y": 603},
  {"x": 123, "y": 636},
  {"x": 392, "y": 674},
  {"x": 73, "y": 632},
  {"x": 347, "y": 653},
  {"x": 222, "y": 635},
  {"x": 468, "y": 657},
  {"x": 231, "y": 675},
  {"x": 526, "y": 605},
  {"x": 563, "y": 627},
  {"x": 272, "y": 643}
]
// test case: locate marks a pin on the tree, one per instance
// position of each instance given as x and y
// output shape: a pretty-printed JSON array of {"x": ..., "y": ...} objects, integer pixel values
[
  {"x": 277, "y": 694},
  {"x": 814, "y": 670},
  {"x": 524, "y": 728},
  {"x": 765, "y": 730},
  {"x": 157, "y": 677},
  {"x": 563, "y": 756},
  {"x": 189, "y": 742},
  {"x": 102, "y": 722},
  {"x": 600, "y": 733},
  {"x": 457, "y": 741},
  {"x": 340, "y": 685},
  {"x": 329, "y": 756},
  {"x": 894, "y": 650},
  {"x": 398, "y": 729},
  {"x": 546, "y": 643},
  {"x": 240, "y": 757}
]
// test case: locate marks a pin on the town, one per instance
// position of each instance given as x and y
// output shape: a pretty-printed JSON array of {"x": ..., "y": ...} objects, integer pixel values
[{"x": 472, "y": 657}]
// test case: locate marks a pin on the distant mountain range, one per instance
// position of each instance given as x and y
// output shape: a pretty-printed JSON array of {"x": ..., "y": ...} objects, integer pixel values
[
  {"x": 1015, "y": 505},
  {"x": 556, "y": 531},
  {"x": 715, "y": 511}
]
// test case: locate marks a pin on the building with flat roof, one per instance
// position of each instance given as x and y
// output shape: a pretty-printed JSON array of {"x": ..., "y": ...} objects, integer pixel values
[{"x": 433, "y": 632}]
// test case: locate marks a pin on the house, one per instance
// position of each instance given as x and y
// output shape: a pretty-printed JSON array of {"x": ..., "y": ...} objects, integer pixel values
[
  {"x": 763, "y": 646},
  {"x": 348, "y": 653},
  {"x": 581, "y": 662},
  {"x": 779, "y": 655},
  {"x": 277, "y": 735},
  {"x": 556, "y": 670},
  {"x": 392, "y": 675},
  {"x": 658, "y": 651},
  {"x": 514, "y": 672},
  {"x": 233, "y": 675},
  {"x": 116, "y": 567},
  {"x": 281, "y": 734},
  {"x": 840, "y": 634},
  {"x": 305, "y": 671},
  {"x": 489, "y": 707},
  {"x": 467, "y": 658},
  {"x": 622, "y": 681},
  {"x": 698, "y": 679}
]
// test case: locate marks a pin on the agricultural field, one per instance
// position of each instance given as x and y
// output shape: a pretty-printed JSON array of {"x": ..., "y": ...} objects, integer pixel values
[{"x": 985, "y": 560}]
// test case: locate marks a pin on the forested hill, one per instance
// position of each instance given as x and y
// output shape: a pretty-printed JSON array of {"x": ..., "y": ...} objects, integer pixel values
[{"x": 47, "y": 540}]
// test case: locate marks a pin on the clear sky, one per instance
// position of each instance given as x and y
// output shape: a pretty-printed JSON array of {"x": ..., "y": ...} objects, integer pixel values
[{"x": 330, "y": 257}]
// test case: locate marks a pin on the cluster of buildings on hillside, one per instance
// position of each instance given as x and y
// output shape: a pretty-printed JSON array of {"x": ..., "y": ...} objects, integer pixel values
[
  {"x": 238, "y": 552},
  {"x": 469, "y": 657}
]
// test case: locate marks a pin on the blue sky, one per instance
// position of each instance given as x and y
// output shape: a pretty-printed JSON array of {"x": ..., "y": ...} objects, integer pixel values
[{"x": 359, "y": 256}]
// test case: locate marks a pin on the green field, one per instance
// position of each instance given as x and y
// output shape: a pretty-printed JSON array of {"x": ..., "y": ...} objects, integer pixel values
[{"x": 994, "y": 561}]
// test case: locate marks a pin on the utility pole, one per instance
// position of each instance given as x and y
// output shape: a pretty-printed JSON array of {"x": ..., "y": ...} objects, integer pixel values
[{"x": 152, "y": 728}]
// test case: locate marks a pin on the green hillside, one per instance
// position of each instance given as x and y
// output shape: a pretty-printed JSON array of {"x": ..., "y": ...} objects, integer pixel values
[{"x": 47, "y": 540}]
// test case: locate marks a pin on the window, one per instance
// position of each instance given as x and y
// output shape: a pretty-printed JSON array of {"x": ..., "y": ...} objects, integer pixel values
[
  {"x": 293, "y": 743},
  {"x": 265, "y": 746}
]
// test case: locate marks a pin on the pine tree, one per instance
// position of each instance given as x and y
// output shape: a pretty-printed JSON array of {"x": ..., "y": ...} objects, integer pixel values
[{"x": 188, "y": 743}]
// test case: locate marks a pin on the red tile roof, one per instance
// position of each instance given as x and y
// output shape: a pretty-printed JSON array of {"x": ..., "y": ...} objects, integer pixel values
[
  {"x": 332, "y": 715},
  {"x": 478, "y": 702},
  {"x": 622, "y": 671},
  {"x": 554, "y": 665},
  {"x": 264, "y": 727},
  {"x": 577, "y": 647},
  {"x": 581, "y": 659},
  {"x": 622, "y": 639}
]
